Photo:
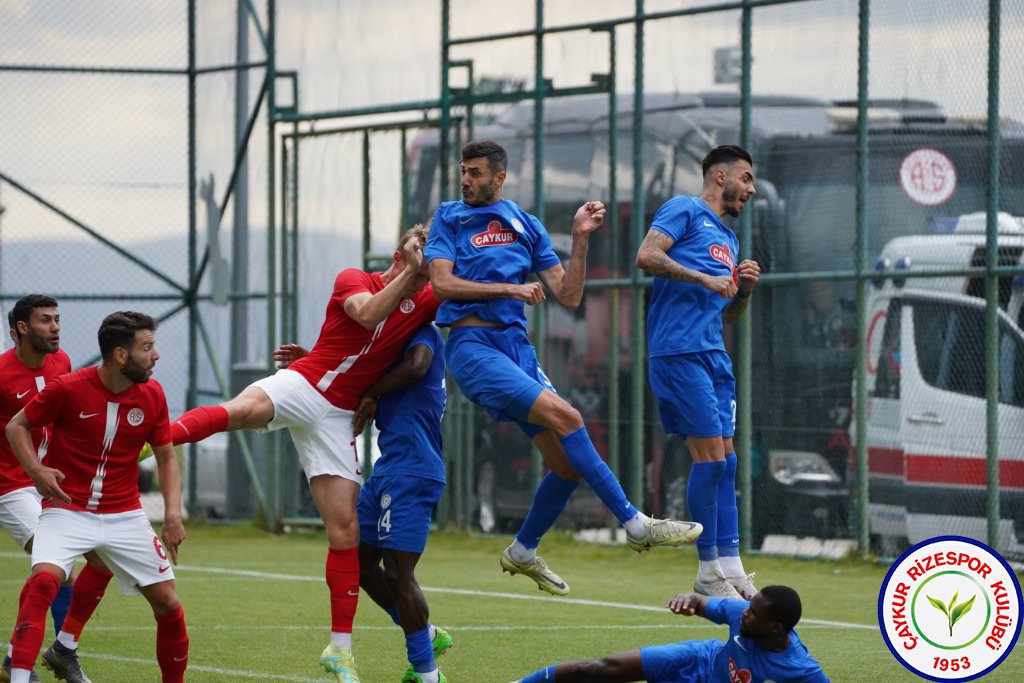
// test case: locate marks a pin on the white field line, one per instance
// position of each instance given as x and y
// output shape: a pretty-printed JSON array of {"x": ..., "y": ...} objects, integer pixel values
[
  {"x": 490, "y": 594},
  {"x": 460, "y": 591},
  {"x": 193, "y": 668}
]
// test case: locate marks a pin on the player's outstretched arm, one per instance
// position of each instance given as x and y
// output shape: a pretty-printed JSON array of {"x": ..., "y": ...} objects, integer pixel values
[
  {"x": 448, "y": 286},
  {"x": 688, "y": 604},
  {"x": 566, "y": 284},
  {"x": 46, "y": 479},
  {"x": 173, "y": 531}
]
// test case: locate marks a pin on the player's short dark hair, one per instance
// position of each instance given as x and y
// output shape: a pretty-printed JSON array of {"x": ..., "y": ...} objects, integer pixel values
[
  {"x": 24, "y": 306},
  {"x": 497, "y": 158},
  {"x": 783, "y": 605},
  {"x": 118, "y": 330},
  {"x": 724, "y": 154},
  {"x": 419, "y": 231}
]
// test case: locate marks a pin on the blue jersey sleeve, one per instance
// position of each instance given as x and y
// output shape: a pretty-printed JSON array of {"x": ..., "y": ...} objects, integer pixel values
[
  {"x": 441, "y": 240},
  {"x": 724, "y": 610},
  {"x": 428, "y": 336},
  {"x": 674, "y": 217},
  {"x": 544, "y": 255}
]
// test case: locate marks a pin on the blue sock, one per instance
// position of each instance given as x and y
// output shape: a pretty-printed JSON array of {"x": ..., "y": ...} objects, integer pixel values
[
  {"x": 59, "y": 606},
  {"x": 548, "y": 502},
  {"x": 420, "y": 651},
  {"x": 393, "y": 613},
  {"x": 702, "y": 499},
  {"x": 584, "y": 459},
  {"x": 728, "y": 538},
  {"x": 545, "y": 675}
]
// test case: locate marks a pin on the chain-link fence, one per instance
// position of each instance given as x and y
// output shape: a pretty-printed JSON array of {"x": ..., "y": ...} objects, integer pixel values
[{"x": 884, "y": 134}]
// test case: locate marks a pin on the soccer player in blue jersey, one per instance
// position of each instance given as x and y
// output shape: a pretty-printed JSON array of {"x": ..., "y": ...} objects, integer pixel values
[
  {"x": 692, "y": 255},
  {"x": 397, "y": 502},
  {"x": 481, "y": 250},
  {"x": 762, "y": 646},
  {"x": 396, "y": 505}
]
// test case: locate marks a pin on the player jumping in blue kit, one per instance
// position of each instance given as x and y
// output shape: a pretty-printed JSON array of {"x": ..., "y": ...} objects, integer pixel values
[
  {"x": 692, "y": 256},
  {"x": 762, "y": 646},
  {"x": 397, "y": 502},
  {"x": 481, "y": 250}
]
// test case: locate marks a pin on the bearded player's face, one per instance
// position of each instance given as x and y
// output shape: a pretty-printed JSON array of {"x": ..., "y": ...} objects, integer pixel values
[{"x": 142, "y": 357}]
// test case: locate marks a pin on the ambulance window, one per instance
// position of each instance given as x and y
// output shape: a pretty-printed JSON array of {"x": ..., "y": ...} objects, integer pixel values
[
  {"x": 949, "y": 341},
  {"x": 887, "y": 382},
  {"x": 1011, "y": 367}
]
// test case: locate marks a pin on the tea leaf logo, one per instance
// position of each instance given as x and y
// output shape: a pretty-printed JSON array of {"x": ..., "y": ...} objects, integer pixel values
[{"x": 952, "y": 611}]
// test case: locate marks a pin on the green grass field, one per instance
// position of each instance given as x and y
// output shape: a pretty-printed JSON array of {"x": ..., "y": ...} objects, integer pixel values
[{"x": 256, "y": 607}]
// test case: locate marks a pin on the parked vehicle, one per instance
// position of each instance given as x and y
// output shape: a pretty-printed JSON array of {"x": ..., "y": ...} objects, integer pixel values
[{"x": 926, "y": 434}]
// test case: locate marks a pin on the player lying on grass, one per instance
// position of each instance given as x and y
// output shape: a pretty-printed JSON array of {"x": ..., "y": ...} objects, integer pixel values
[{"x": 762, "y": 646}]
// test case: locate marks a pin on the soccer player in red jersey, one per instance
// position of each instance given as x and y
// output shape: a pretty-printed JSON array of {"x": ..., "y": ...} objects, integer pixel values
[
  {"x": 35, "y": 360},
  {"x": 369, "y": 321},
  {"x": 102, "y": 417}
]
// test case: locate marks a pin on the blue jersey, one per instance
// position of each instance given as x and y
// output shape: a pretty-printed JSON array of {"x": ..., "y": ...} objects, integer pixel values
[
  {"x": 739, "y": 654},
  {"x": 410, "y": 420},
  {"x": 495, "y": 243},
  {"x": 685, "y": 317}
]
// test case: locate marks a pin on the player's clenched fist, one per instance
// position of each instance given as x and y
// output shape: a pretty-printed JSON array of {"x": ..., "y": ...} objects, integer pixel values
[
  {"x": 589, "y": 217},
  {"x": 531, "y": 292}
]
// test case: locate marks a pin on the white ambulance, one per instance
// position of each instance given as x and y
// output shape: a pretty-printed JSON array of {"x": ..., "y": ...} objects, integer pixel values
[{"x": 926, "y": 420}]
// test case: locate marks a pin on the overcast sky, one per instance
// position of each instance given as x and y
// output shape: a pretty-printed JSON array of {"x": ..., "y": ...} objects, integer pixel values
[{"x": 112, "y": 148}]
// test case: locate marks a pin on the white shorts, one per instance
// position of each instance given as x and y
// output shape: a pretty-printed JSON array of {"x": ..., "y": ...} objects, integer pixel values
[
  {"x": 19, "y": 513},
  {"x": 321, "y": 432},
  {"x": 125, "y": 540}
]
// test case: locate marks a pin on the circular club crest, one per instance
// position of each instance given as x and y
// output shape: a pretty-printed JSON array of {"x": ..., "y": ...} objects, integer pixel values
[
  {"x": 949, "y": 609},
  {"x": 928, "y": 176},
  {"x": 518, "y": 227},
  {"x": 406, "y": 305},
  {"x": 135, "y": 417},
  {"x": 385, "y": 500}
]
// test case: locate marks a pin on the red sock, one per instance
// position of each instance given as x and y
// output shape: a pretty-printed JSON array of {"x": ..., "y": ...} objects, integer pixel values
[
  {"x": 89, "y": 587},
  {"x": 199, "y": 423},
  {"x": 40, "y": 590},
  {"x": 172, "y": 646},
  {"x": 343, "y": 583}
]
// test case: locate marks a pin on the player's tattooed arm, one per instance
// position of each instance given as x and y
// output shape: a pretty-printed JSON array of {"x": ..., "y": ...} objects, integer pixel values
[{"x": 653, "y": 259}]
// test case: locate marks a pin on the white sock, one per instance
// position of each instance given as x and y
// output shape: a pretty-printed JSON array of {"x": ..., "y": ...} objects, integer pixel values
[
  {"x": 430, "y": 677},
  {"x": 732, "y": 565},
  {"x": 67, "y": 640},
  {"x": 637, "y": 526},
  {"x": 21, "y": 675},
  {"x": 709, "y": 570},
  {"x": 341, "y": 640},
  {"x": 520, "y": 553},
  {"x": 10, "y": 649}
]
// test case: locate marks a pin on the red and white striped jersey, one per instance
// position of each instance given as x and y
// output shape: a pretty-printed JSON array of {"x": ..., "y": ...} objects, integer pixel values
[
  {"x": 348, "y": 358},
  {"x": 19, "y": 384},
  {"x": 97, "y": 436}
]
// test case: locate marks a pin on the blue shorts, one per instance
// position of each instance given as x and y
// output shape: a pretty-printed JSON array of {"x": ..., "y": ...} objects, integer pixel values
[
  {"x": 497, "y": 368},
  {"x": 395, "y": 511},
  {"x": 696, "y": 393},
  {"x": 684, "y": 662}
]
